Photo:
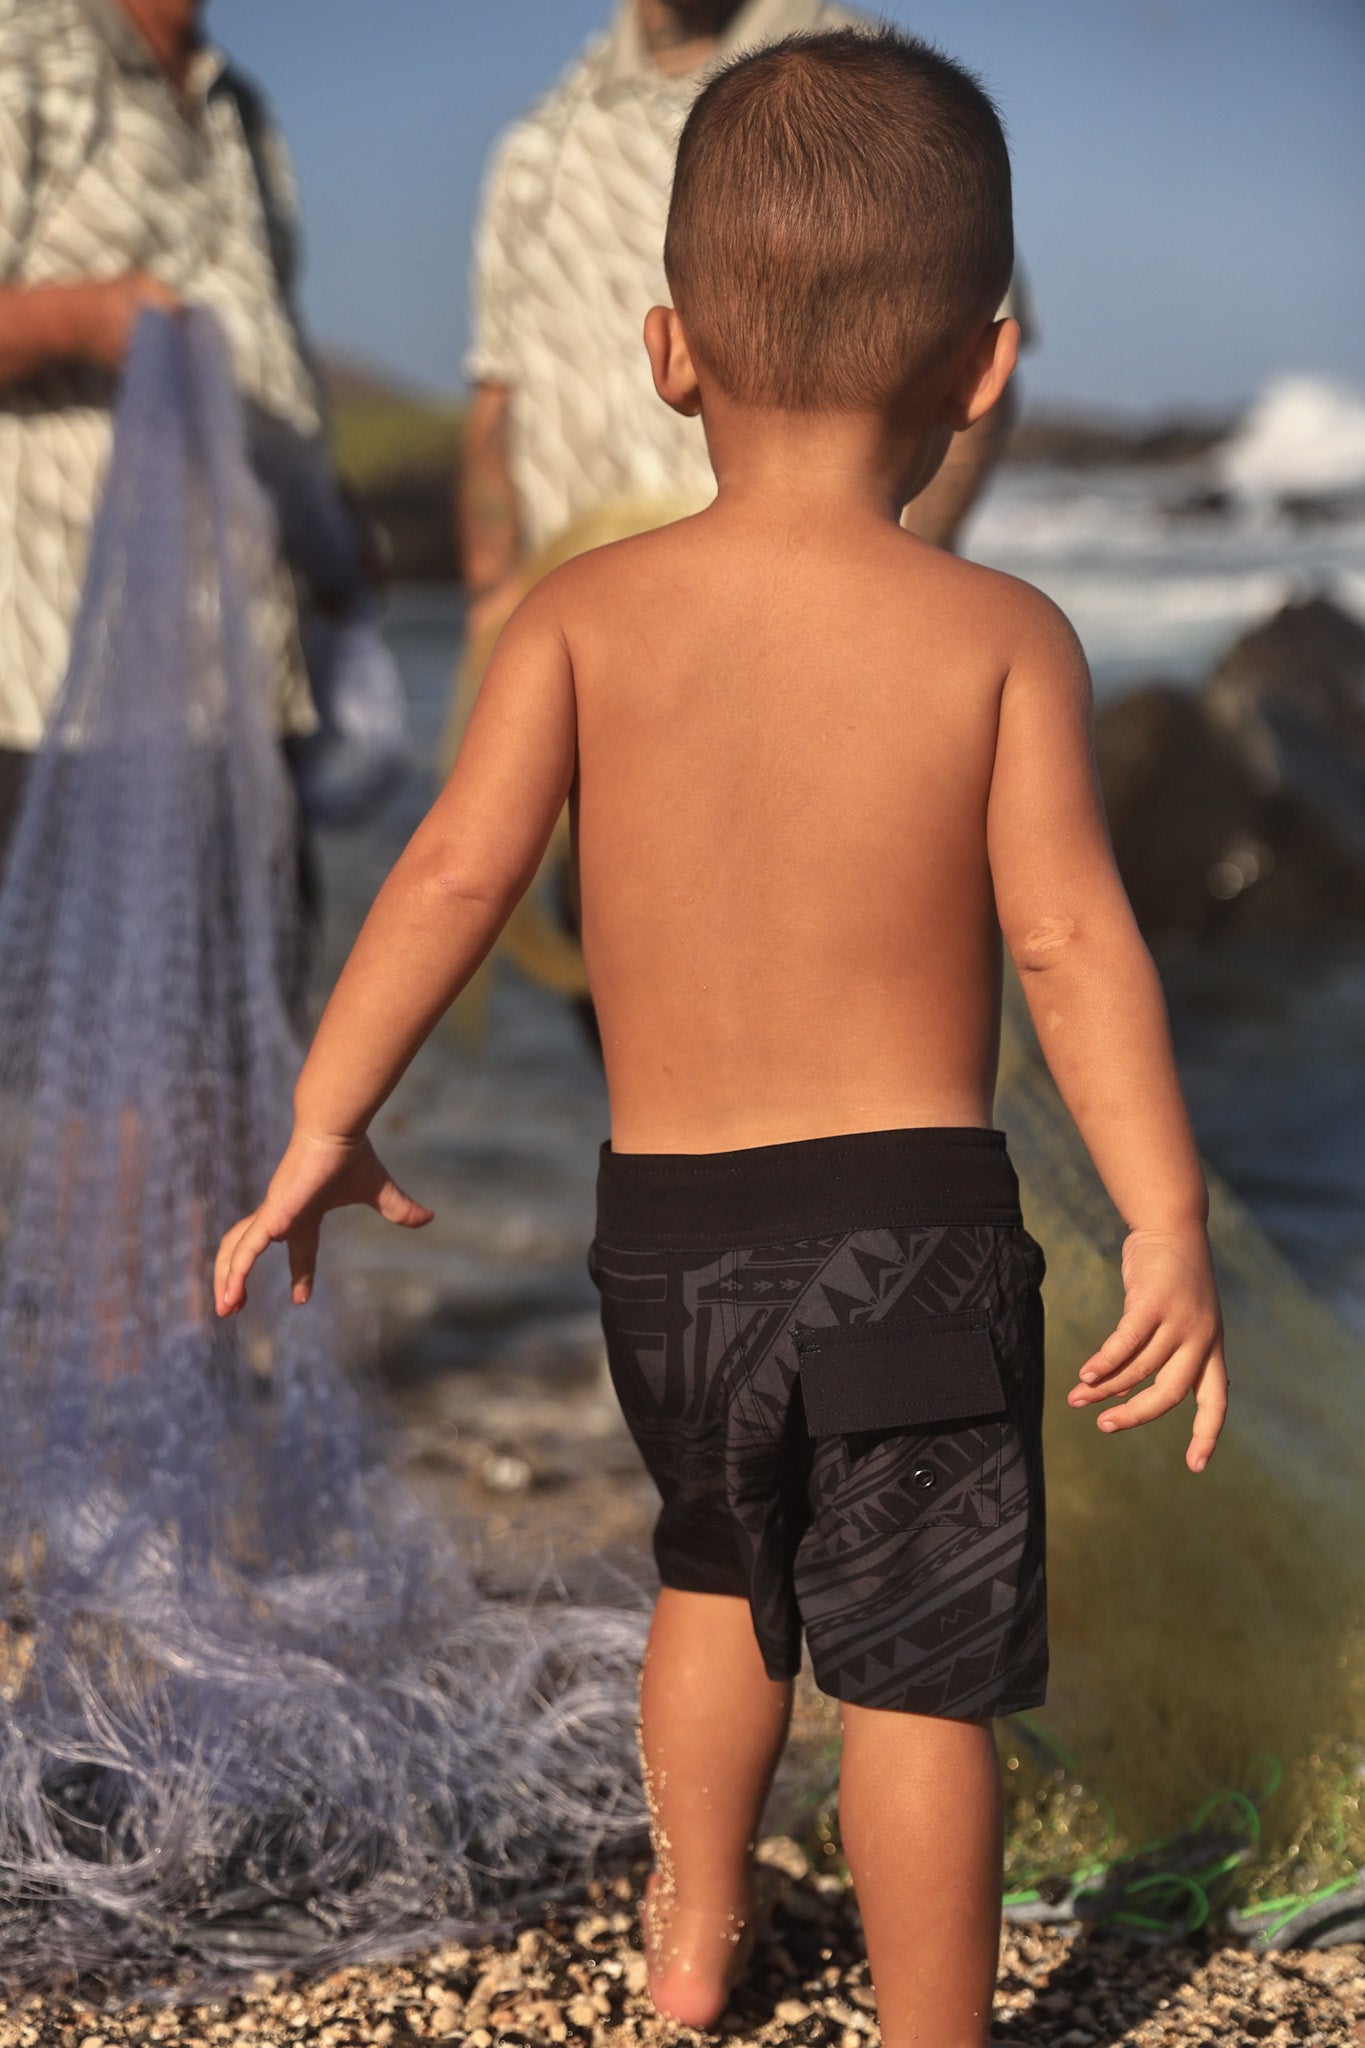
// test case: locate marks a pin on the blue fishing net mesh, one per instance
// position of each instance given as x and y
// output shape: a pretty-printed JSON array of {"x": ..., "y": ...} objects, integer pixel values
[{"x": 252, "y": 1708}]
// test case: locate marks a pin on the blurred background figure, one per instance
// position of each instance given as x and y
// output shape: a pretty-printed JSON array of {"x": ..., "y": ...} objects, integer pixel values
[
  {"x": 563, "y": 418},
  {"x": 566, "y": 443},
  {"x": 137, "y": 169}
]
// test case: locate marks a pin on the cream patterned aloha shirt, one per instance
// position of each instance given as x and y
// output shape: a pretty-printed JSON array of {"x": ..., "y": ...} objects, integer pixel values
[
  {"x": 568, "y": 259},
  {"x": 103, "y": 169}
]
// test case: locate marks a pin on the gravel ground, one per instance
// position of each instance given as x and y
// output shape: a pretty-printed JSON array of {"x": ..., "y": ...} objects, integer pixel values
[{"x": 581, "y": 1980}]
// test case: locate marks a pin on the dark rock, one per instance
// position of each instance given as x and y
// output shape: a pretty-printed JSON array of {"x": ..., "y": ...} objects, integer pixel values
[
  {"x": 1291, "y": 696},
  {"x": 1243, "y": 804},
  {"x": 415, "y": 513},
  {"x": 1311, "y": 509},
  {"x": 1180, "y": 805},
  {"x": 1083, "y": 441},
  {"x": 1206, "y": 504}
]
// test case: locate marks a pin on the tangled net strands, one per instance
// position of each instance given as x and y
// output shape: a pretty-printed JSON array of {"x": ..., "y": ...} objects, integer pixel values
[{"x": 252, "y": 1709}]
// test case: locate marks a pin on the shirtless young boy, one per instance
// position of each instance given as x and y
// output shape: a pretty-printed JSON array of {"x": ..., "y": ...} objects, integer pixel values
[{"x": 817, "y": 769}]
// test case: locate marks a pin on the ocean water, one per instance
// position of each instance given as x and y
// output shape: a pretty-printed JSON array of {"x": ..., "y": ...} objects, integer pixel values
[
  {"x": 1160, "y": 569},
  {"x": 500, "y": 1132},
  {"x": 1153, "y": 589}
]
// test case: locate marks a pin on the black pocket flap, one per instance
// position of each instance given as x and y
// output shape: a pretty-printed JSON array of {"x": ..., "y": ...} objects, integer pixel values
[{"x": 931, "y": 1369}]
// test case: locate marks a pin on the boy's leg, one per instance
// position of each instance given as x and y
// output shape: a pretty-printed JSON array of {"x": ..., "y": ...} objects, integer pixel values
[
  {"x": 919, "y": 1817},
  {"x": 712, "y": 1725}
]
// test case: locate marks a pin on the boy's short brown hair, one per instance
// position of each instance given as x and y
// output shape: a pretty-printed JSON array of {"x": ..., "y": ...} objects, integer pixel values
[{"x": 840, "y": 218}]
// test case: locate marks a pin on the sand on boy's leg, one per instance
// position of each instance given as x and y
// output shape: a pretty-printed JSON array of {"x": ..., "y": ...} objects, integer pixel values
[
  {"x": 919, "y": 1808},
  {"x": 712, "y": 1726}
]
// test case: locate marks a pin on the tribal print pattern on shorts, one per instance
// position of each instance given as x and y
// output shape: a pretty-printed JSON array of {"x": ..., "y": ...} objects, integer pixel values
[{"x": 913, "y": 1556}]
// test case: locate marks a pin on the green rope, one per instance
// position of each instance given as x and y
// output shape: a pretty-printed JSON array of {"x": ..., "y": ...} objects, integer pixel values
[
  {"x": 1180, "y": 1900},
  {"x": 1289, "y": 1907}
]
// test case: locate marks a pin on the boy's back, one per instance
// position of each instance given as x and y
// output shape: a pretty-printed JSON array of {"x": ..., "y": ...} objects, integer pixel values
[{"x": 785, "y": 752}]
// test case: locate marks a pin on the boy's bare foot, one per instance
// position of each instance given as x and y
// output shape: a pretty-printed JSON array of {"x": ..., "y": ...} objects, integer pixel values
[{"x": 695, "y": 1958}]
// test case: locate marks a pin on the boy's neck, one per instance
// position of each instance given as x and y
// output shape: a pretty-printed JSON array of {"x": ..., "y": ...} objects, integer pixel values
[{"x": 797, "y": 466}]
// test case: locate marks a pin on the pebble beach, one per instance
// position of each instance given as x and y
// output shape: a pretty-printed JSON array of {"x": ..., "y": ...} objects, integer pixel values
[{"x": 579, "y": 1980}]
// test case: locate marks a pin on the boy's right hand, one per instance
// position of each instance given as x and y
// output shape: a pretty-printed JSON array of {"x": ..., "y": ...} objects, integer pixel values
[
  {"x": 1171, "y": 1332},
  {"x": 316, "y": 1174}
]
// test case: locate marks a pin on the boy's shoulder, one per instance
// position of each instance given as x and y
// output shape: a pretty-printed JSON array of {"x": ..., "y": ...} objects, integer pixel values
[
  {"x": 977, "y": 583},
  {"x": 634, "y": 551},
  {"x": 1010, "y": 619},
  {"x": 590, "y": 588},
  {"x": 608, "y": 570},
  {"x": 1029, "y": 622}
]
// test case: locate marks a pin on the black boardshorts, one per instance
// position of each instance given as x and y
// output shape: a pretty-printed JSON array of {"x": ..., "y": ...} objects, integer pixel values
[{"x": 830, "y": 1354}]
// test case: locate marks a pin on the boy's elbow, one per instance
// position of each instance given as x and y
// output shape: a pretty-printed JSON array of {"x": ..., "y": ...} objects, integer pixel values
[
  {"x": 1045, "y": 943},
  {"x": 455, "y": 889},
  {"x": 1076, "y": 946}
]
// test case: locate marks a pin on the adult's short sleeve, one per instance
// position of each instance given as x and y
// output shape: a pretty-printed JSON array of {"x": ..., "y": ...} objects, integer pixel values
[{"x": 507, "y": 218}]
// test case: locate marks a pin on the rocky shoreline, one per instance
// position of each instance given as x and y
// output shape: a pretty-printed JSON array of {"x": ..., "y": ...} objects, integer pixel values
[
  {"x": 580, "y": 1979},
  {"x": 1240, "y": 805}
]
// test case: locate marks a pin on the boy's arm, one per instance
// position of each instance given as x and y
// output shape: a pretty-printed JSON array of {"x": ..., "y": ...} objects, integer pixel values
[
  {"x": 432, "y": 923},
  {"x": 1097, "y": 1006}
]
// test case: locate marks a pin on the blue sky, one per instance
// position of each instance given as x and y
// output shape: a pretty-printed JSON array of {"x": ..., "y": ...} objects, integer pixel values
[{"x": 1188, "y": 172}]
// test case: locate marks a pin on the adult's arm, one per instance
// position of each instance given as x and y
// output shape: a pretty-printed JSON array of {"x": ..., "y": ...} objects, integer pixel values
[
  {"x": 486, "y": 497},
  {"x": 488, "y": 509},
  {"x": 71, "y": 320},
  {"x": 938, "y": 513},
  {"x": 84, "y": 320}
]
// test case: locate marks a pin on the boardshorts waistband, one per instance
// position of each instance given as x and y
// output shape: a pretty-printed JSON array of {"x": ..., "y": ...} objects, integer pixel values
[{"x": 930, "y": 1175}]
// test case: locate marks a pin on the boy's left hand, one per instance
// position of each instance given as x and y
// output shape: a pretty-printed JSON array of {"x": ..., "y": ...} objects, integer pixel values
[
  {"x": 316, "y": 1174},
  {"x": 1171, "y": 1333}
]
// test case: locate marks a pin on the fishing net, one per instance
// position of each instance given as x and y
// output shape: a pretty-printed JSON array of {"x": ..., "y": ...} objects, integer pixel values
[
  {"x": 252, "y": 1708},
  {"x": 1208, "y": 1636}
]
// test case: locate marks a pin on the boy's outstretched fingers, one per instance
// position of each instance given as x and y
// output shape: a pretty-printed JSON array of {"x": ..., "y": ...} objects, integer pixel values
[
  {"x": 1210, "y": 1412},
  {"x": 237, "y": 1254},
  {"x": 393, "y": 1205},
  {"x": 1121, "y": 1352},
  {"x": 396, "y": 1207},
  {"x": 303, "y": 1259},
  {"x": 1191, "y": 1368},
  {"x": 315, "y": 1176}
]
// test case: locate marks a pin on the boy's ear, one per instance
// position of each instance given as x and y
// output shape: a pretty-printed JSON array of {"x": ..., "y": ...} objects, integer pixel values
[
  {"x": 982, "y": 379},
  {"x": 670, "y": 359}
]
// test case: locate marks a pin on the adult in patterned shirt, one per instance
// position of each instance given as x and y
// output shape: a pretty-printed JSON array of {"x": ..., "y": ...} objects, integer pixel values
[
  {"x": 568, "y": 259},
  {"x": 136, "y": 169}
]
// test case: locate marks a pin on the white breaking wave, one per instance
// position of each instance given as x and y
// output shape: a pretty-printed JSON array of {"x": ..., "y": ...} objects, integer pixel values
[
  {"x": 1302, "y": 436},
  {"x": 1150, "y": 585}
]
